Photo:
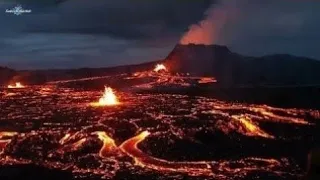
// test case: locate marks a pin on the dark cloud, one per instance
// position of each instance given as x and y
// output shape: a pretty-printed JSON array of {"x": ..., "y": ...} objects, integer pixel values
[
  {"x": 78, "y": 33},
  {"x": 273, "y": 26},
  {"x": 97, "y": 32},
  {"x": 120, "y": 18}
]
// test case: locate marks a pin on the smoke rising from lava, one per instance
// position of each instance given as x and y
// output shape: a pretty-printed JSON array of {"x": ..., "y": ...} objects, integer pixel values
[{"x": 208, "y": 30}]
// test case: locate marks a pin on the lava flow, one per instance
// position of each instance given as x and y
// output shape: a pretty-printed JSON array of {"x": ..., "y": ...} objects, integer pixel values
[
  {"x": 108, "y": 98},
  {"x": 65, "y": 138},
  {"x": 268, "y": 114},
  {"x": 4, "y": 139},
  {"x": 252, "y": 129},
  {"x": 109, "y": 145},
  {"x": 130, "y": 147},
  {"x": 193, "y": 136},
  {"x": 17, "y": 85}
]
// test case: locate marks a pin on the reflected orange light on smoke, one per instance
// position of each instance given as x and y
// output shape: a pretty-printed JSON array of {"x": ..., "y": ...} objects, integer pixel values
[
  {"x": 17, "y": 85},
  {"x": 160, "y": 67},
  {"x": 108, "y": 98},
  {"x": 109, "y": 145}
]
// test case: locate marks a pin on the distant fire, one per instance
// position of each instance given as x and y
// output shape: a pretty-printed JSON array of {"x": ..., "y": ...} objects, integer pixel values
[
  {"x": 160, "y": 67},
  {"x": 206, "y": 80},
  {"x": 17, "y": 85},
  {"x": 108, "y": 98}
]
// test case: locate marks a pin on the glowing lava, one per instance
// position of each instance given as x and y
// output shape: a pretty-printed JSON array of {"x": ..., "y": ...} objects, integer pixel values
[
  {"x": 4, "y": 139},
  {"x": 252, "y": 129},
  {"x": 17, "y": 85},
  {"x": 206, "y": 80},
  {"x": 268, "y": 114},
  {"x": 108, "y": 144},
  {"x": 65, "y": 138},
  {"x": 108, "y": 98},
  {"x": 71, "y": 147},
  {"x": 7, "y": 134},
  {"x": 78, "y": 144},
  {"x": 130, "y": 147},
  {"x": 54, "y": 132},
  {"x": 160, "y": 67}
]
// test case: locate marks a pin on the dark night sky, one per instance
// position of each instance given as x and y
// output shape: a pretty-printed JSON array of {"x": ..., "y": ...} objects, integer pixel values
[{"x": 96, "y": 33}]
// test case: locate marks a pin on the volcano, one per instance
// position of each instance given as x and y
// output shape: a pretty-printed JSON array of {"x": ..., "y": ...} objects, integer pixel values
[
  {"x": 230, "y": 68},
  {"x": 202, "y": 60}
]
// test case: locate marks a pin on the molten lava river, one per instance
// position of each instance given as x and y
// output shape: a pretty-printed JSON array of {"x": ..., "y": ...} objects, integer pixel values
[{"x": 152, "y": 136}]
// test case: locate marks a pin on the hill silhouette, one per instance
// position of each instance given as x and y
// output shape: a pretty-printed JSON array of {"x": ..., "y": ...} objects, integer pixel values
[{"x": 230, "y": 69}]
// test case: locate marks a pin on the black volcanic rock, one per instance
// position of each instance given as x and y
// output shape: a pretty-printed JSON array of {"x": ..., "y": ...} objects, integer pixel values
[
  {"x": 208, "y": 60},
  {"x": 196, "y": 59},
  {"x": 32, "y": 172},
  {"x": 42, "y": 76}
]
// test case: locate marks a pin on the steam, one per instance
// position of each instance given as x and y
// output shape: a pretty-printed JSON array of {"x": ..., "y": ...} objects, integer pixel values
[{"x": 207, "y": 31}]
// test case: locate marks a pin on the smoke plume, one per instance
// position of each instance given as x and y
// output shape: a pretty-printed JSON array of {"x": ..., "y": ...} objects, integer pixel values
[{"x": 207, "y": 31}]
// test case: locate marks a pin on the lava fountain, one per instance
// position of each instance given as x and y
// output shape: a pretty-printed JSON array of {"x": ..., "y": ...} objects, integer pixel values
[
  {"x": 108, "y": 98},
  {"x": 17, "y": 85},
  {"x": 160, "y": 67}
]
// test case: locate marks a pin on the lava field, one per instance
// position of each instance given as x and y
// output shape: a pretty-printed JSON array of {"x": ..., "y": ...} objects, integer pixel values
[{"x": 153, "y": 135}]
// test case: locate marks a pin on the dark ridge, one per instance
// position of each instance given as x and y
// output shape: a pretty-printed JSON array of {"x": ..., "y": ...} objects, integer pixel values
[
  {"x": 42, "y": 76},
  {"x": 230, "y": 69}
]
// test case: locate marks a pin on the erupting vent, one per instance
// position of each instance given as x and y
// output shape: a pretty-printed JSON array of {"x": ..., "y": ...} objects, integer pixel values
[
  {"x": 108, "y": 98},
  {"x": 17, "y": 85},
  {"x": 160, "y": 67}
]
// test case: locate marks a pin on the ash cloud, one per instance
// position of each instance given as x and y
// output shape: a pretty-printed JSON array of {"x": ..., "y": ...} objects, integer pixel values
[
  {"x": 257, "y": 28},
  {"x": 208, "y": 30}
]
